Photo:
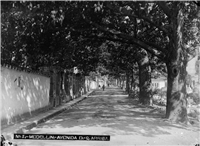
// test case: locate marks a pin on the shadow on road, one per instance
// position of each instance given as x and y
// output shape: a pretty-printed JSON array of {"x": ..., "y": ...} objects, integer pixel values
[
  {"x": 105, "y": 113},
  {"x": 108, "y": 92}
]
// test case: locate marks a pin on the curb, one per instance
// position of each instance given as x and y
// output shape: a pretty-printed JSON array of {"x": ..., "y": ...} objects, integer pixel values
[{"x": 68, "y": 105}]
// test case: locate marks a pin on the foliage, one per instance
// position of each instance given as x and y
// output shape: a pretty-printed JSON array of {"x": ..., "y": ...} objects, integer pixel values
[
  {"x": 38, "y": 34},
  {"x": 194, "y": 97},
  {"x": 102, "y": 36}
]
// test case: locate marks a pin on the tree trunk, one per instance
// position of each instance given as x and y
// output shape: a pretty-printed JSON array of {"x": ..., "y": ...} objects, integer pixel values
[
  {"x": 120, "y": 82},
  {"x": 124, "y": 84},
  {"x": 144, "y": 79},
  {"x": 132, "y": 81},
  {"x": 176, "y": 109},
  {"x": 67, "y": 86},
  {"x": 127, "y": 82}
]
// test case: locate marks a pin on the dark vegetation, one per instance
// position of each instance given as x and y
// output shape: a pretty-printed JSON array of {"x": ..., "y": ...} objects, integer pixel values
[{"x": 132, "y": 40}]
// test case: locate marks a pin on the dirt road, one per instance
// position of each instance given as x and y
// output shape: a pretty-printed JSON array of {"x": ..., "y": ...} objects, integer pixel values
[{"x": 111, "y": 112}]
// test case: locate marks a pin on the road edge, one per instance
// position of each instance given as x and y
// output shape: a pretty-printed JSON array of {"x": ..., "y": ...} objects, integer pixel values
[{"x": 9, "y": 135}]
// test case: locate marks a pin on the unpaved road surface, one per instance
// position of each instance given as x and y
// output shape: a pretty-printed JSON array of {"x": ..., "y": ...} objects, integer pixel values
[{"x": 111, "y": 112}]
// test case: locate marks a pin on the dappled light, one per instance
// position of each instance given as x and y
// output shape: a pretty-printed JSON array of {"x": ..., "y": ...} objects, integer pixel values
[
  {"x": 139, "y": 61},
  {"x": 111, "y": 115},
  {"x": 23, "y": 93}
]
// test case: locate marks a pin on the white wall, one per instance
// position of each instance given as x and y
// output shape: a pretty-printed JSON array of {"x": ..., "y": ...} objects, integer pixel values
[
  {"x": 159, "y": 84},
  {"x": 93, "y": 85},
  {"x": 22, "y": 92},
  {"x": 191, "y": 66}
]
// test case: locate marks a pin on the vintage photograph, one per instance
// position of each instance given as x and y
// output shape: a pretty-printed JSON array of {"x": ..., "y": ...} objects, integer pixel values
[{"x": 100, "y": 73}]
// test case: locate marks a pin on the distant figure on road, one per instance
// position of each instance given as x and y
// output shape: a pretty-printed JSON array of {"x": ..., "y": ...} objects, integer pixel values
[{"x": 103, "y": 87}]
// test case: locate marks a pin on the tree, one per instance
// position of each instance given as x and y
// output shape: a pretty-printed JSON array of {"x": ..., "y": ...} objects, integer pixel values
[
  {"x": 165, "y": 20},
  {"x": 36, "y": 34},
  {"x": 160, "y": 28}
]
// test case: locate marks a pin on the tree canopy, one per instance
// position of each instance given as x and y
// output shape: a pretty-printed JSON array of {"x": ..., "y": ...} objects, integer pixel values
[{"x": 105, "y": 36}]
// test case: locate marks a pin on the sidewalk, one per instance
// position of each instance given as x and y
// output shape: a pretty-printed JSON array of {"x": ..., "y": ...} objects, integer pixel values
[{"x": 41, "y": 118}]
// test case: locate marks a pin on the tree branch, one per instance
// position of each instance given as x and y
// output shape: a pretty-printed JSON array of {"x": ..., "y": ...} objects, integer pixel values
[
  {"x": 126, "y": 13},
  {"x": 128, "y": 38},
  {"x": 160, "y": 3},
  {"x": 197, "y": 3},
  {"x": 164, "y": 7},
  {"x": 148, "y": 20},
  {"x": 127, "y": 42}
]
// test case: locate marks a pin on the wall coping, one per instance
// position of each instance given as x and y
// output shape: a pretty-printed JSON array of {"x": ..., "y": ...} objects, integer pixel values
[
  {"x": 25, "y": 70},
  {"x": 50, "y": 70}
]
